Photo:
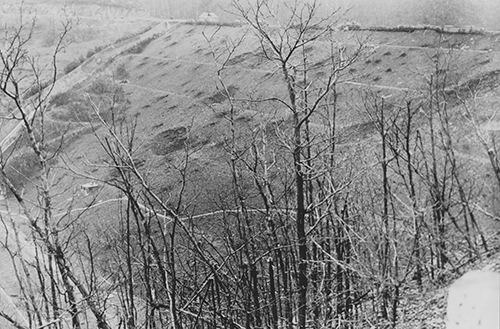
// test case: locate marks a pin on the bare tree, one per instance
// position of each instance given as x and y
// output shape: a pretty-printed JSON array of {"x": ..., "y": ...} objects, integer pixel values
[
  {"x": 53, "y": 266},
  {"x": 283, "y": 43}
]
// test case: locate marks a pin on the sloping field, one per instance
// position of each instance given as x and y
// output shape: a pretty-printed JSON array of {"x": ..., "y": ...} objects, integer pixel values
[
  {"x": 165, "y": 84},
  {"x": 170, "y": 86}
]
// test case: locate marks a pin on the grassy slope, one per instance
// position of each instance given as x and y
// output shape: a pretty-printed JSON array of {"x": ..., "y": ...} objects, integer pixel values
[
  {"x": 173, "y": 78},
  {"x": 83, "y": 37},
  {"x": 171, "y": 81}
]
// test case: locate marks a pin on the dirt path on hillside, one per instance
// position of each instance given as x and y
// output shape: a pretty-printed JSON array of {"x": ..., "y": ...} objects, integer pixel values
[
  {"x": 87, "y": 69},
  {"x": 445, "y": 49}
]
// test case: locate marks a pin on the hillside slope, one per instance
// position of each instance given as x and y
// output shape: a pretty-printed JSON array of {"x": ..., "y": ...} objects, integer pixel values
[
  {"x": 170, "y": 87},
  {"x": 164, "y": 84}
]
